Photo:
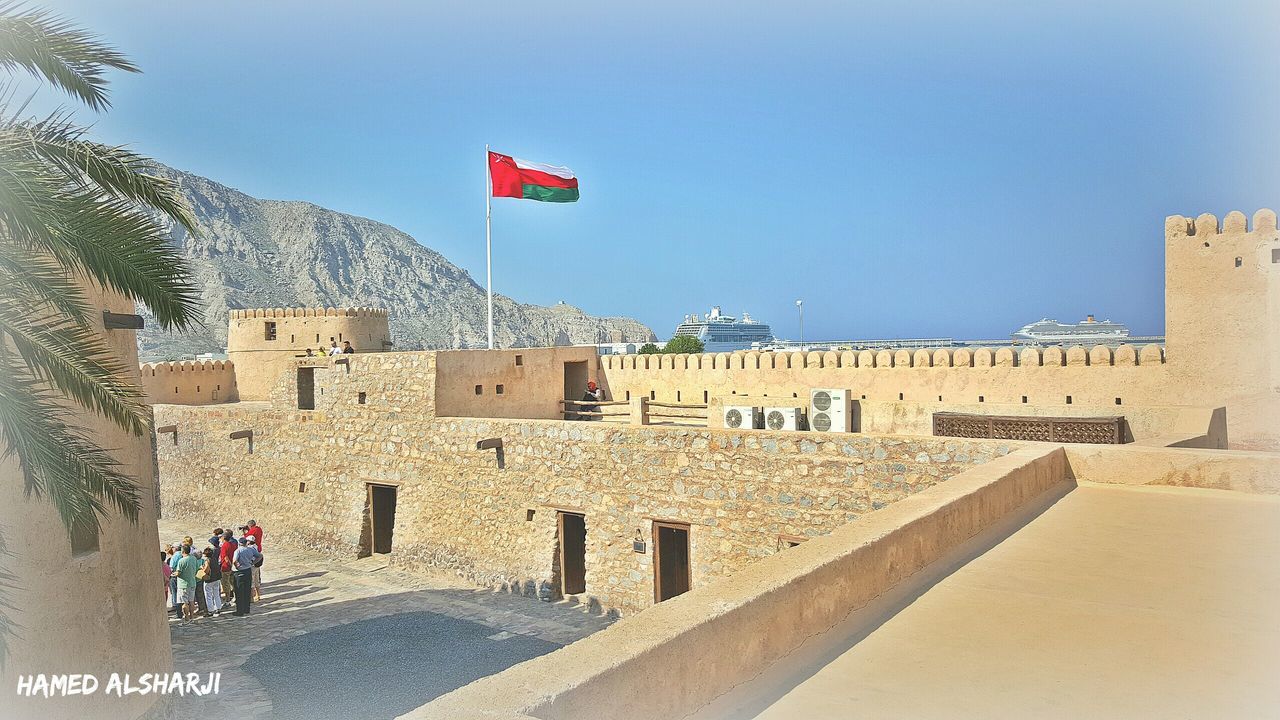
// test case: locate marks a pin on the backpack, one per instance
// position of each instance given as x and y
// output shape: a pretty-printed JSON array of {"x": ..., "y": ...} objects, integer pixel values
[{"x": 257, "y": 562}]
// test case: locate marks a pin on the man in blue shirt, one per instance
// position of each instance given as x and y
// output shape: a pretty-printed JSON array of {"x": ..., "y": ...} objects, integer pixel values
[{"x": 242, "y": 563}]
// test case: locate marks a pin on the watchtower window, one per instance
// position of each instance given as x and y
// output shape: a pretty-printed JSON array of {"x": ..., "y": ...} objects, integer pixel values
[
  {"x": 499, "y": 389},
  {"x": 83, "y": 539},
  {"x": 519, "y": 360},
  {"x": 479, "y": 389},
  {"x": 1239, "y": 261},
  {"x": 269, "y": 330}
]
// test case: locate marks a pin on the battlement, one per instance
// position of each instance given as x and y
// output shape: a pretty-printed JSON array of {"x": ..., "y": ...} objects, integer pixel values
[
  {"x": 189, "y": 382},
  {"x": 1207, "y": 224},
  {"x": 1073, "y": 356},
  {"x": 250, "y": 313},
  {"x": 186, "y": 366}
]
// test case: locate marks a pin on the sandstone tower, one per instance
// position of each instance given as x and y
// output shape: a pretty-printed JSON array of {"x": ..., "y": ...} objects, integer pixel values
[
  {"x": 1222, "y": 304},
  {"x": 261, "y": 343}
]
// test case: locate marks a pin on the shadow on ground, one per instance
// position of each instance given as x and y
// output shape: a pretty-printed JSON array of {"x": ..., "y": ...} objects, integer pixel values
[{"x": 383, "y": 667}]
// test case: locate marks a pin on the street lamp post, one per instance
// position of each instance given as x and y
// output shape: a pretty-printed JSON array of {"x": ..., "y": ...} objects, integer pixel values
[{"x": 800, "y": 309}]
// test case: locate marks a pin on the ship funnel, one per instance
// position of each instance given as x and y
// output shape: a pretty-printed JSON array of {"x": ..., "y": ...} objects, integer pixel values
[{"x": 1089, "y": 318}]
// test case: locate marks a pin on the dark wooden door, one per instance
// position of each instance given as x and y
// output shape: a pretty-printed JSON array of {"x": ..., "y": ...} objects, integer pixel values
[
  {"x": 573, "y": 553},
  {"x": 306, "y": 388},
  {"x": 382, "y": 516},
  {"x": 670, "y": 560}
]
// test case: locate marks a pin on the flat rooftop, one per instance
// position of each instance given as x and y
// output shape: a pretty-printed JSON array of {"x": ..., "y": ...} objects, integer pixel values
[{"x": 1115, "y": 601}]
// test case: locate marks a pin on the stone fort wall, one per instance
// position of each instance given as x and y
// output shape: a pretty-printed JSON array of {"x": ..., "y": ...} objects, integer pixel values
[
  {"x": 308, "y": 472},
  {"x": 190, "y": 382}
]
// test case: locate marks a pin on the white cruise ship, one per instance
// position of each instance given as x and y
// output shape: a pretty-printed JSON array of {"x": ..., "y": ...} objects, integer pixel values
[
  {"x": 725, "y": 333},
  {"x": 1052, "y": 332}
]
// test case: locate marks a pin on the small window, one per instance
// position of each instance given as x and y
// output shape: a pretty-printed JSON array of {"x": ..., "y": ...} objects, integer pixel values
[
  {"x": 175, "y": 389},
  {"x": 628, "y": 396},
  {"x": 982, "y": 398},
  {"x": 479, "y": 389},
  {"x": 499, "y": 389},
  {"x": 528, "y": 515},
  {"x": 1068, "y": 399},
  {"x": 1275, "y": 255},
  {"x": 302, "y": 486},
  {"x": 197, "y": 388},
  {"x": 339, "y": 337},
  {"x": 1239, "y": 261},
  {"x": 269, "y": 331},
  {"x": 653, "y": 394},
  {"x": 519, "y": 362},
  {"x": 900, "y": 396},
  {"x": 1118, "y": 402},
  {"x": 705, "y": 396},
  {"x": 291, "y": 340},
  {"x": 317, "y": 337},
  {"x": 1024, "y": 399},
  {"x": 83, "y": 540},
  {"x": 677, "y": 396},
  {"x": 864, "y": 397},
  {"x": 361, "y": 398},
  {"x": 939, "y": 398}
]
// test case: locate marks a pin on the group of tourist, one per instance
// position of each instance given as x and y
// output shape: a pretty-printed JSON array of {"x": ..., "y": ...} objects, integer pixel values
[
  {"x": 201, "y": 581},
  {"x": 346, "y": 349}
]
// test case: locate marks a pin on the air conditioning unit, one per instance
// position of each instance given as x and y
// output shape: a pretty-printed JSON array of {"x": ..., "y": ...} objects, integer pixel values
[
  {"x": 830, "y": 410},
  {"x": 741, "y": 417},
  {"x": 782, "y": 418}
]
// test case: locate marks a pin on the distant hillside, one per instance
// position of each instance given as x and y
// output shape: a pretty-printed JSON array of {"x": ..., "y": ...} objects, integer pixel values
[{"x": 270, "y": 253}]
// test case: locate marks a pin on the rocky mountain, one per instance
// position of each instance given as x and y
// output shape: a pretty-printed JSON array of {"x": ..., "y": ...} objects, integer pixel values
[{"x": 270, "y": 253}]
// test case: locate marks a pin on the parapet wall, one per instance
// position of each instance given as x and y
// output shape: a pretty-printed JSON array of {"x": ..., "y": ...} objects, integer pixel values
[
  {"x": 1040, "y": 376},
  {"x": 190, "y": 382}
]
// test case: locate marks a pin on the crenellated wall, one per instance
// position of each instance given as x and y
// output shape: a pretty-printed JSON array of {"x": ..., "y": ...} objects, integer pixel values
[
  {"x": 1223, "y": 335},
  {"x": 190, "y": 382},
  {"x": 264, "y": 342},
  {"x": 1043, "y": 378}
]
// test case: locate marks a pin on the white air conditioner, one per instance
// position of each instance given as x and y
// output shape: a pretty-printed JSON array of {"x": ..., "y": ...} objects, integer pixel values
[
  {"x": 830, "y": 410},
  {"x": 741, "y": 417},
  {"x": 782, "y": 418}
]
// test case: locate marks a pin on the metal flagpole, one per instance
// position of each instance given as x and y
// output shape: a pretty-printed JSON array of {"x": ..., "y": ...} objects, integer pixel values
[{"x": 488, "y": 237}]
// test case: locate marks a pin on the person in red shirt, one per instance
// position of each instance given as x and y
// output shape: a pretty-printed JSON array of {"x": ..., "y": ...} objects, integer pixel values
[
  {"x": 256, "y": 533},
  {"x": 226, "y": 551}
]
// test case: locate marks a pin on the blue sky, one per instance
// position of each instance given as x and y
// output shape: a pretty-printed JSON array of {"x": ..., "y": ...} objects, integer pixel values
[{"x": 906, "y": 170}]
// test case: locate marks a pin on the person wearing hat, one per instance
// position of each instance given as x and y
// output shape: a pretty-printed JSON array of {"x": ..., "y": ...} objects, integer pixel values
[
  {"x": 242, "y": 562},
  {"x": 593, "y": 395}
]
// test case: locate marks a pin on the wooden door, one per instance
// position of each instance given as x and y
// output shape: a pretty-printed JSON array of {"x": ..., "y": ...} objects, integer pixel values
[
  {"x": 572, "y": 531},
  {"x": 671, "y": 576}
]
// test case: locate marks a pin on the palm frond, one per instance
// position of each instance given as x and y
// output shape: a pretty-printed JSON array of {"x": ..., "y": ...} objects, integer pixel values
[
  {"x": 75, "y": 360},
  {"x": 116, "y": 170},
  {"x": 102, "y": 235},
  {"x": 49, "y": 46},
  {"x": 58, "y": 460}
]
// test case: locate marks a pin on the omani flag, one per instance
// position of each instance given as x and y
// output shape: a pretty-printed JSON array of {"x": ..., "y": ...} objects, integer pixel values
[{"x": 513, "y": 177}]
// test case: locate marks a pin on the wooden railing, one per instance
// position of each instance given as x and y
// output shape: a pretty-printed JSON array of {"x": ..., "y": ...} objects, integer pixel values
[{"x": 640, "y": 411}]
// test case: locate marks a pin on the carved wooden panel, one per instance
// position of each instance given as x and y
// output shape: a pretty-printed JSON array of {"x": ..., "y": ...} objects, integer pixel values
[{"x": 1096, "y": 430}]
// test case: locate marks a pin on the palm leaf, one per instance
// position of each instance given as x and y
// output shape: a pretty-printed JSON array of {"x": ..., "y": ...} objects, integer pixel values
[{"x": 49, "y": 46}]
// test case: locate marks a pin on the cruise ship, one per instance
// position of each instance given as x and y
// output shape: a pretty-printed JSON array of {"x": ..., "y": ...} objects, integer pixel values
[
  {"x": 725, "y": 333},
  {"x": 1052, "y": 332}
]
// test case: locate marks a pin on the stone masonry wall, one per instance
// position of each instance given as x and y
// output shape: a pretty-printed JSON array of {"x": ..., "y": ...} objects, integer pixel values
[{"x": 307, "y": 476}]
